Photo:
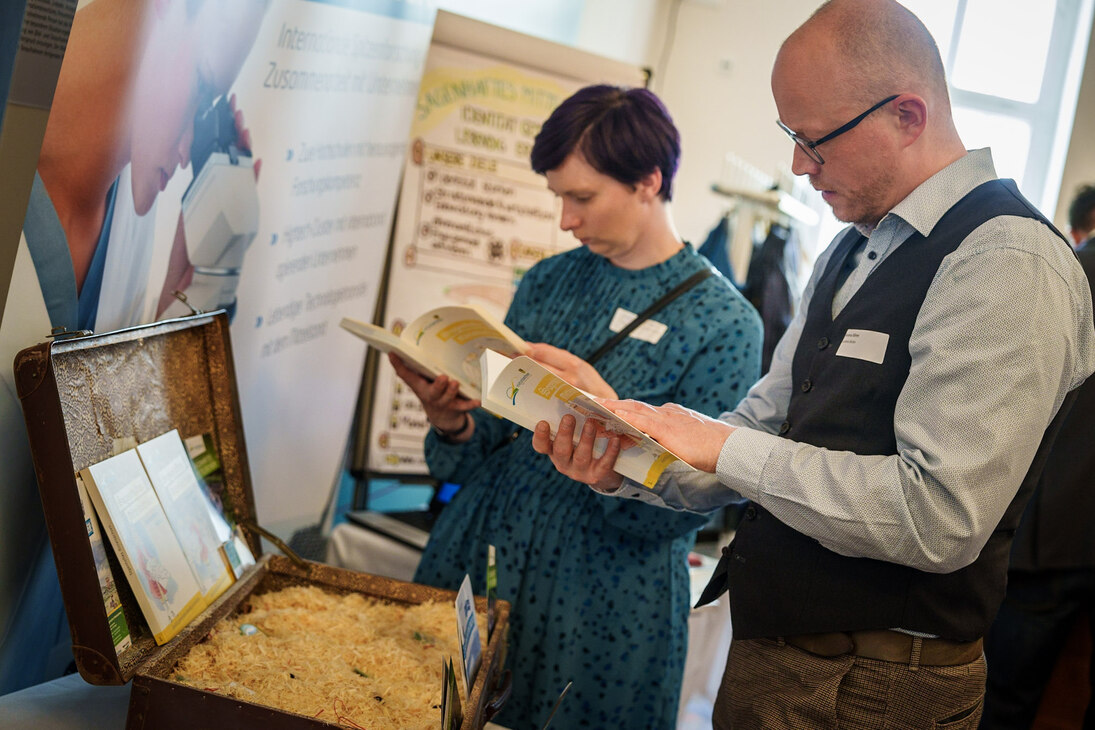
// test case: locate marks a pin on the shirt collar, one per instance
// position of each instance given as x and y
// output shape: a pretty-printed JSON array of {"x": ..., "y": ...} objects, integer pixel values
[{"x": 926, "y": 204}]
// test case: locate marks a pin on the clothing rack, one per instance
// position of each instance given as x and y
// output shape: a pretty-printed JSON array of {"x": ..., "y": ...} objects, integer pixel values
[{"x": 776, "y": 202}]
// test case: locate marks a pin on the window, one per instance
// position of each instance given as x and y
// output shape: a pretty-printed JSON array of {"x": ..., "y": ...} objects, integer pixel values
[{"x": 1014, "y": 68}]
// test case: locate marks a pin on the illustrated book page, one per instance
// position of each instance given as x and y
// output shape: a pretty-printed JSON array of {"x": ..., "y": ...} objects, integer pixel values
[
  {"x": 146, "y": 546},
  {"x": 173, "y": 477}
]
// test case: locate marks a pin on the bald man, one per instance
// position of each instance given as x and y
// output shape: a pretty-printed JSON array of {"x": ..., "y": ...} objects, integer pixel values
[{"x": 890, "y": 450}]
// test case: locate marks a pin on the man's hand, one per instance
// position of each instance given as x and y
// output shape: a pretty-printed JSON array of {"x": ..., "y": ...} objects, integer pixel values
[
  {"x": 444, "y": 407},
  {"x": 694, "y": 437},
  {"x": 570, "y": 368},
  {"x": 243, "y": 134},
  {"x": 577, "y": 460},
  {"x": 180, "y": 273}
]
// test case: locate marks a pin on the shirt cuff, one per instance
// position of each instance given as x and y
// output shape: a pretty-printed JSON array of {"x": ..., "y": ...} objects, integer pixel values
[
  {"x": 744, "y": 455},
  {"x": 633, "y": 490}
]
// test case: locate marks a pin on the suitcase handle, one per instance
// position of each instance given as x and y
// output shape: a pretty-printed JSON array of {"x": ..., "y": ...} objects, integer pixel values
[{"x": 281, "y": 544}]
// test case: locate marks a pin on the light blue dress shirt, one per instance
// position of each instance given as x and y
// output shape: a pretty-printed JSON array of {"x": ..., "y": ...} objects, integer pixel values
[{"x": 1004, "y": 333}]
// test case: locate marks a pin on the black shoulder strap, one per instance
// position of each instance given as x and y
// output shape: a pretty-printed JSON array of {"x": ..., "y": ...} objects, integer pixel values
[{"x": 650, "y": 311}]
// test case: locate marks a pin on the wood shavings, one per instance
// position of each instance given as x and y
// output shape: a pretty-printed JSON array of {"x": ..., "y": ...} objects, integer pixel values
[{"x": 365, "y": 662}]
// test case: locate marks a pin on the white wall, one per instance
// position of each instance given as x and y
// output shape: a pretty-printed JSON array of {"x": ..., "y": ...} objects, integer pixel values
[
  {"x": 716, "y": 85},
  {"x": 715, "y": 82},
  {"x": 621, "y": 29}
]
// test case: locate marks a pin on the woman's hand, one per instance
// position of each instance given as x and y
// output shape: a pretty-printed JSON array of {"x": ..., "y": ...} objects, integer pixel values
[
  {"x": 445, "y": 408},
  {"x": 570, "y": 368},
  {"x": 577, "y": 460}
]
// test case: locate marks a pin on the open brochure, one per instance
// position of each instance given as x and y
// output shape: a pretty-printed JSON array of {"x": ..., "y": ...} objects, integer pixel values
[
  {"x": 152, "y": 559},
  {"x": 526, "y": 393},
  {"x": 445, "y": 340}
]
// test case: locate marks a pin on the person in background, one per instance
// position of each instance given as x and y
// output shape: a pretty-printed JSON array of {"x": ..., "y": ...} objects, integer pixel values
[
  {"x": 890, "y": 450},
  {"x": 599, "y": 587},
  {"x": 1051, "y": 578}
]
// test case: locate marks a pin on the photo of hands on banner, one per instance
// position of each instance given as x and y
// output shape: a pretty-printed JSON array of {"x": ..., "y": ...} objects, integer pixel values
[{"x": 130, "y": 111}]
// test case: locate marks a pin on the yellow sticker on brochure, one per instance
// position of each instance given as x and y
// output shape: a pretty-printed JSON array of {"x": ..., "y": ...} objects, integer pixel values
[{"x": 656, "y": 469}]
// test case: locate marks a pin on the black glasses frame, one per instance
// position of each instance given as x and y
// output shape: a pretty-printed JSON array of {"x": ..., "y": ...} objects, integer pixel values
[{"x": 810, "y": 147}]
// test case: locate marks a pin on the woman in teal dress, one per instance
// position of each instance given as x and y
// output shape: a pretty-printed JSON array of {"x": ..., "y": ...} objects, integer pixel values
[{"x": 598, "y": 586}]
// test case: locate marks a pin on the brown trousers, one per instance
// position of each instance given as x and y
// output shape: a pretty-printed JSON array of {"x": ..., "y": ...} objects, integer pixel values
[{"x": 771, "y": 686}]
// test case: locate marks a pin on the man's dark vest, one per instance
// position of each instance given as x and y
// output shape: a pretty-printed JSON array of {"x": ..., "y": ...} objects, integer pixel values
[{"x": 784, "y": 583}]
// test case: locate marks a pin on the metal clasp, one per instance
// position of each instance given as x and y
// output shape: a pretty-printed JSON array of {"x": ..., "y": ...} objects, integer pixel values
[{"x": 64, "y": 333}]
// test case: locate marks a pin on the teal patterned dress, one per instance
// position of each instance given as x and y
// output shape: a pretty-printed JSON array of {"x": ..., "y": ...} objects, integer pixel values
[{"x": 598, "y": 585}]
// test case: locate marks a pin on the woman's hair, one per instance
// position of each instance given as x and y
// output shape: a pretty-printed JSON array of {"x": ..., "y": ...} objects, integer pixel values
[{"x": 623, "y": 133}]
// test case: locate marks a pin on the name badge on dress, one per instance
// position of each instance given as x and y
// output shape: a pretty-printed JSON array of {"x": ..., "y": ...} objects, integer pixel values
[
  {"x": 864, "y": 345},
  {"x": 649, "y": 331}
]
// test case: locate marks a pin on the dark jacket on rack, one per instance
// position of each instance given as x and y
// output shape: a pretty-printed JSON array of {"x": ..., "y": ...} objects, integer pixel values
[
  {"x": 716, "y": 248},
  {"x": 767, "y": 288}
]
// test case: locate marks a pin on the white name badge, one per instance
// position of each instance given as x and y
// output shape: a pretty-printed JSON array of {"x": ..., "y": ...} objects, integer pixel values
[
  {"x": 649, "y": 331},
  {"x": 864, "y": 345}
]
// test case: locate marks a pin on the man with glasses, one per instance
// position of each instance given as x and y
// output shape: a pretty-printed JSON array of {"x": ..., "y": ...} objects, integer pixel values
[{"x": 890, "y": 450}]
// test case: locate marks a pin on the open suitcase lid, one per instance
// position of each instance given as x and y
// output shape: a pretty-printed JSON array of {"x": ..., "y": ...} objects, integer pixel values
[{"x": 81, "y": 396}]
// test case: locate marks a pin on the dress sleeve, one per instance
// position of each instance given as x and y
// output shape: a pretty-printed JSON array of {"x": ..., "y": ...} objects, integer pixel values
[{"x": 457, "y": 462}]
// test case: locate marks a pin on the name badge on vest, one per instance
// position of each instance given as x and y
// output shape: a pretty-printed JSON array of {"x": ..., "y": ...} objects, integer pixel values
[
  {"x": 649, "y": 331},
  {"x": 864, "y": 345}
]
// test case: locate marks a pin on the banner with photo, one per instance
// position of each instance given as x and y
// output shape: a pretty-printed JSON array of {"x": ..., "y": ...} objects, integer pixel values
[{"x": 242, "y": 155}]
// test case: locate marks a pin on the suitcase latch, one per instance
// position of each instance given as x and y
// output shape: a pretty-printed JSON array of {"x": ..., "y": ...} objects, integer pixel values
[{"x": 64, "y": 333}]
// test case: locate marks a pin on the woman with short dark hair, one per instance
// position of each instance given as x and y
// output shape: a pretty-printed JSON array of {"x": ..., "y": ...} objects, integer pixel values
[{"x": 599, "y": 587}]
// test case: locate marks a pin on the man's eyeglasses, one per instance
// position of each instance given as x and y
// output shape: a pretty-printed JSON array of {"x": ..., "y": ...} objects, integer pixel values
[{"x": 810, "y": 148}]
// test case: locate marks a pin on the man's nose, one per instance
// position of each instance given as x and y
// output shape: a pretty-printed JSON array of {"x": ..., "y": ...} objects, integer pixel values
[{"x": 802, "y": 163}]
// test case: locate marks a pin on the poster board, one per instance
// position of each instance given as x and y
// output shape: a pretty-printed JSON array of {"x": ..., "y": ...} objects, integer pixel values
[
  {"x": 325, "y": 92},
  {"x": 472, "y": 216}
]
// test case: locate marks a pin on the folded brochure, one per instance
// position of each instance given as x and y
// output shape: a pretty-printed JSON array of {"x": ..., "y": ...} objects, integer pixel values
[{"x": 525, "y": 392}]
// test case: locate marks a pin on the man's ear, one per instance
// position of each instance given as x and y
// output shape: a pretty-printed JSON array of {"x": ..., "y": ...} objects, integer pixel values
[
  {"x": 650, "y": 185},
  {"x": 912, "y": 116}
]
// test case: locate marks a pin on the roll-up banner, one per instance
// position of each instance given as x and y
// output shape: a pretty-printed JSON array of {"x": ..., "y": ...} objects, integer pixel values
[
  {"x": 472, "y": 216},
  {"x": 246, "y": 155}
]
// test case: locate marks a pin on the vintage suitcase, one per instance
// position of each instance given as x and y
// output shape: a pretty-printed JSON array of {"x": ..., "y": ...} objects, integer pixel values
[{"x": 81, "y": 395}]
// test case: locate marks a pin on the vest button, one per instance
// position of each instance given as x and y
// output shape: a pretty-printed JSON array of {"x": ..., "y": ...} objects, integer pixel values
[
  {"x": 823, "y": 343},
  {"x": 750, "y": 512},
  {"x": 784, "y": 427},
  {"x": 806, "y": 385},
  {"x": 872, "y": 255}
]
